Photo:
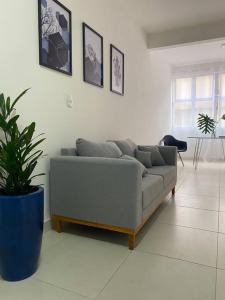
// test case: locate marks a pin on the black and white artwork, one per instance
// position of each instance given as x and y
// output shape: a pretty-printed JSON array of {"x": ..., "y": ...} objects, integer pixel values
[
  {"x": 117, "y": 70},
  {"x": 92, "y": 56},
  {"x": 55, "y": 43}
]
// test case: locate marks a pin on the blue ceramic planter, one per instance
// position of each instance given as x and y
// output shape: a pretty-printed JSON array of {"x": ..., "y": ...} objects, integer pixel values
[{"x": 21, "y": 229}]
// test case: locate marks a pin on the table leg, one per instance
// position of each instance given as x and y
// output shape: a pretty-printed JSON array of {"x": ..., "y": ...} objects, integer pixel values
[
  {"x": 194, "y": 158},
  {"x": 199, "y": 153},
  {"x": 223, "y": 148},
  {"x": 196, "y": 153}
]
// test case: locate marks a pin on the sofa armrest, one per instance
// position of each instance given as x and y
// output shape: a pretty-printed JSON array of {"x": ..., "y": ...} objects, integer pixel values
[
  {"x": 169, "y": 153},
  {"x": 101, "y": 190}
]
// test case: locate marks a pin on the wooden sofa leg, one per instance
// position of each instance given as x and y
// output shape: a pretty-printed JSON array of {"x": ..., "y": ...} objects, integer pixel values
[
  {"x": 58, "y": 225},
  {"x": 173, "y": 191},
  {"x": 131, "y": 241}
]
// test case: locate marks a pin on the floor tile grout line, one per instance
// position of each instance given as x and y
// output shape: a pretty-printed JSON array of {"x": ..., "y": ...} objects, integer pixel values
[
  {"x": 196, "y": 208},
  {"x": 216, "y": 264},
  {"x": 182, "y": 226},
  {"x": 217, "y": 257},
  {"x": 175, "y": 258},
  {"x": 220, "y": 268},
  {"x": 61, "y": 288},
  {"x": 178, "y": 225},
  {"x": 179, "y": 193},
  {"x": 197, "y": 195},
  {"x": 114, "y": 273}
]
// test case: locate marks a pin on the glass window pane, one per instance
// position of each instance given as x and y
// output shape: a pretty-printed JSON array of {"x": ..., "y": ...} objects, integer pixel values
[
  {"x": 183, "y": 88},
  {"x": 203, "y": 107},
  {"x": 183, "y": 114},
  {"x": 221, "y": 108},
  {"x": 183, "y": 105},
  {"x": 222, "y": 85},
  {"x": 222, "y": 112},
  {"x": 204, "y": 87}
]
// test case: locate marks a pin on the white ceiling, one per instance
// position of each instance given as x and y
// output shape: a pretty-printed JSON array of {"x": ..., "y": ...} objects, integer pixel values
[{"x": 162, "y": 15}]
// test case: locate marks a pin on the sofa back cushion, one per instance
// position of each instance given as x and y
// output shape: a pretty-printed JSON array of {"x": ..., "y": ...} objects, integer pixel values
[
  {"x": 92, "y": 149},
  {"x": 68, "y": 152},
  {"x": 145, "y": 157},
  {"x": 156, "y": 157},
  {"x": 127, "y": 147},
  {"x": 144, "y": 171}
]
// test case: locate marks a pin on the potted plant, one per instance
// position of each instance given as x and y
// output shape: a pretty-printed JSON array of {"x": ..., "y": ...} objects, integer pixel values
[
  {"x": 208, "y": 125},
  {"x": 21, "y": 203}
]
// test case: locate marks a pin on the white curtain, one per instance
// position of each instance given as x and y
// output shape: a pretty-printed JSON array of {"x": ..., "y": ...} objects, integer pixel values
[{"x": 198, "y": 89}]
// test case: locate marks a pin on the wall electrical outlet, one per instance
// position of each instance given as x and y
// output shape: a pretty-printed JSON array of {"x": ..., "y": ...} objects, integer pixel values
[{"x": 69, "y": 101}]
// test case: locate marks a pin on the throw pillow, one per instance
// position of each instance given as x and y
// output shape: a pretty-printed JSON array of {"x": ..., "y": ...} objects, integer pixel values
[
  {"x": 144, "y": 171},
  {"x": 127, "y": 147},
  {"x": 156, "y": 157},
  {"x": 92, "y": 149},
  {"x": 68, "y": 152},
  {"x": 144, "y": 157}
]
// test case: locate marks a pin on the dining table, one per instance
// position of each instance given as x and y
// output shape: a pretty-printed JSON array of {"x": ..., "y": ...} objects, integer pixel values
[{"x": 199, "y": 142}]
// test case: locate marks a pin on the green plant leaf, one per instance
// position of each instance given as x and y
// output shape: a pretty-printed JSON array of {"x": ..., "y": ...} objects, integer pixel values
[
  {"x": 17, "y": 99},
  {"x": 30, "y": 147},
  {"x": 206, "y": 124},
  {"x": 11, "y": 122},
  {"x": 8, "y": 103},
  {"x": 18, "y": 153},
  {"x": 38, "y": 175}
]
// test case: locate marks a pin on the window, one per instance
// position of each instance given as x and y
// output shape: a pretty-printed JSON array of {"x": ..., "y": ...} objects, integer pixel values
[
  {"x": 221, "y": 96},
  {"x": 197, "y": 94}
]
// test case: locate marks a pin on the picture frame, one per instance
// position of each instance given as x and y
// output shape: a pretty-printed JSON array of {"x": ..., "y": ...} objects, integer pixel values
[
  {"x": 116, "y": 70},
  {"x": 93, "y": 61},
  {"x": 55, "y": 36}
]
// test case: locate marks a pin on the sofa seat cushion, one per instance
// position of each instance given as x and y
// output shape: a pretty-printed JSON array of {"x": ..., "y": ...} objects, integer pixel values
[
  {"x": 152, "y": 187},
  {"x": 168, "y": 173}
]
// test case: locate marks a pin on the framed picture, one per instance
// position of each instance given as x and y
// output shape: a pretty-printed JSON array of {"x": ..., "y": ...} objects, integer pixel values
[
  {"x": 92, "y": 56},
  {"x": 116, "y": 70},
  {"x": 55, "y": 42}
]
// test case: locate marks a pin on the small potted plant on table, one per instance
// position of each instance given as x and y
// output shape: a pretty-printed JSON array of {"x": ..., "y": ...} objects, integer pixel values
[{"x": 21, "y": 203}]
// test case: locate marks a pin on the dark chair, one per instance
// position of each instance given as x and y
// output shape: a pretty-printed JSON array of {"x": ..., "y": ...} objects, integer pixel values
[{"x": 169, "y": 140}]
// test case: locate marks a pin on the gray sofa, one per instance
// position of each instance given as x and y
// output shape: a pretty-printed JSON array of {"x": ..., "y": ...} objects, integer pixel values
[{"x": 109, "y": 193}]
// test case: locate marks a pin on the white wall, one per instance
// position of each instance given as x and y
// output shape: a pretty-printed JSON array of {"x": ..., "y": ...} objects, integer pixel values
[
  {"x": 97, "y": 113},
  {"x": 160, "y": 96}
]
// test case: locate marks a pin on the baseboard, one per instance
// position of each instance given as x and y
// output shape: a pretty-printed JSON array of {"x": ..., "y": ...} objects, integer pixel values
[{"x": 47, "y": 226}]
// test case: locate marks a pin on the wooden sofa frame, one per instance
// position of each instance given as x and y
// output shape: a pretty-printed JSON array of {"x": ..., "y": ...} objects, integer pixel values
[{"x": 59, "y": 220}]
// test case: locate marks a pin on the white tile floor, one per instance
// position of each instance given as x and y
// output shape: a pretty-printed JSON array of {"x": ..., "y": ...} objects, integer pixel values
[{"x": 180, "y": 253}]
